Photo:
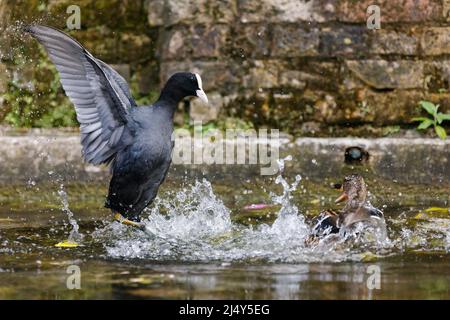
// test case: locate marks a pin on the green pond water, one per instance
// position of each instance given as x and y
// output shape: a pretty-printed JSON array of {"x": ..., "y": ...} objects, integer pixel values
[{"x": 202, "y": 243}]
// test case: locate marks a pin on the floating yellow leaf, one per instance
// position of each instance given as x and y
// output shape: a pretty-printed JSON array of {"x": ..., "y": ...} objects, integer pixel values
[
  {"x": 421, "y": 216},
  {"x": 67, "y": 244},
  {"x": 437, "y": 209},
  {"x": 433, "y": 212},
  {"x": 315, "y": 201}
]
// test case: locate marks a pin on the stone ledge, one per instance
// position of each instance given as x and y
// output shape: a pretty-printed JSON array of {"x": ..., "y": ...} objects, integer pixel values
[
  {"x": 403, "y": 160},
  {"x": 44, "y": 157}
]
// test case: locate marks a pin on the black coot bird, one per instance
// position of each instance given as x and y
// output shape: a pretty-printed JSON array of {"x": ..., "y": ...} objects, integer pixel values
[{"x": 135, "y": 141}]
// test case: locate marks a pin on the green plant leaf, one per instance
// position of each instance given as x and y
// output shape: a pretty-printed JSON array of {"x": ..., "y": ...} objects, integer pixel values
[
  {"x": 442, "y": 117},
  {"x": 429, "y": 107},
  {"x": 440, "y": 132},
  {"x": 425, "y": 124},
  {"x": 420, "y": 119}
]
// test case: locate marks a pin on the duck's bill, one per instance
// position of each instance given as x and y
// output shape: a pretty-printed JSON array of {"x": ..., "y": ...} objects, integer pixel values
[
  {"x": 202, "y": 96},
  {"x": 341, "y": 198}
]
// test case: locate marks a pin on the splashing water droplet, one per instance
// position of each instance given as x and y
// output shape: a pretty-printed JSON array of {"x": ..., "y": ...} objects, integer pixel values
[{"x": 74, "y": 235}]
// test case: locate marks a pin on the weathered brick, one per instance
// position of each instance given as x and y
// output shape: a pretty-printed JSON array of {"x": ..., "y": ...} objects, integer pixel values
[
  {"x": 208, "y": 41},
  {"x": 156, "y": 12},
  {"x": 446, "y": 10},
  {"x": 250, "y": 106},
  {"x": 199, "y": 111},
  {"x": 316, "y": 75},
  {"x": 394, "y": 42},
  {"x": 172, "y": 44},
  {"x": 391, "y": 10},
  {"x": 290, "y": 41},
  {"x": 292, "y": 79},
  {"x": 437, "y": 76},
  {"x": 263, "y": 74},
  {"x": 368, "y": 106},
  {"x": 197, "y": 41},
  {"x": 251, "y": 11},
  {"x": 312, "y": 105},
  {"x": 325, "y": 107},
  {"x": 395, "y": 107},
  {"x": 381, "y": 74},
  {"x": 436, "y": 41},
  {"x": 281, "y": 103},
  {"x": 344, "y": 41},
  {"x": 442, "y": 99},
  {"x": 172, "y": 12},
  {"x": 251, "y": 41}
]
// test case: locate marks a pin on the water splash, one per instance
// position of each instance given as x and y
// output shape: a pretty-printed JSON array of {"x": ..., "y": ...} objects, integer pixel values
[
  {"x": 285, "y": 198},
  {"x": 428, "y": 235},
  {"x": 194, "y": 225},
  {"x": 74, "y": 235}
]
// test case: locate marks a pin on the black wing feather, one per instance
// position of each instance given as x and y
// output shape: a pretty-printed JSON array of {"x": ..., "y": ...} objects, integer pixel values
[{"x": 101, "y": 96}]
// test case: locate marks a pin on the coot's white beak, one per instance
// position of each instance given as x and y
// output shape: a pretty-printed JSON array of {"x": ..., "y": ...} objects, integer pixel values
[{"x": 200, "y": 93}]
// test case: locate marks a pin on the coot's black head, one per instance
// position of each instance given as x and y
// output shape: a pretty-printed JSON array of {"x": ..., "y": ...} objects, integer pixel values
[{"x": 184, "y": 84}]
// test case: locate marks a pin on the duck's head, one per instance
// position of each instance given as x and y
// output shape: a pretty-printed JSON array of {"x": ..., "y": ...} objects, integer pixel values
[{"x": 354, "y": 190}]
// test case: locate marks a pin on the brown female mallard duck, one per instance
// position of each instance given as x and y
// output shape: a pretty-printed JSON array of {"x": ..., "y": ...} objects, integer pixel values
[{"x": 356, "y": 209}]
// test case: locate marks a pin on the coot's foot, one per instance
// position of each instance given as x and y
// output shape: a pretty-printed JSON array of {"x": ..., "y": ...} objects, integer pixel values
[{"x": 118, "y": 217}]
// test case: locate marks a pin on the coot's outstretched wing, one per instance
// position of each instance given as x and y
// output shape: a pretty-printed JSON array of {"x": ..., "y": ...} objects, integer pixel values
[{"x": 101, "y": 96}]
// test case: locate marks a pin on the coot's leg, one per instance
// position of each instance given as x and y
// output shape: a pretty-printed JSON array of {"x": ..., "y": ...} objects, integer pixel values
[{"x": 118, "y": 217}]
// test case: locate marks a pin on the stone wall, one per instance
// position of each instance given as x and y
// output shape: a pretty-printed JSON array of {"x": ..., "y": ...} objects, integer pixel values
[{"x": 309, "y": 67}]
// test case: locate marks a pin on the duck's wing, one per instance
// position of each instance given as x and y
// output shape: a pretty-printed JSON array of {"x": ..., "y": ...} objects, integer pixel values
[
  {"x": 101, "y": 96},
  {"x": 375, "y": 212},
  {"x": 326, "y": 223},
  {"x": 363, "y": 213}
]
